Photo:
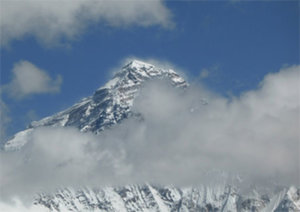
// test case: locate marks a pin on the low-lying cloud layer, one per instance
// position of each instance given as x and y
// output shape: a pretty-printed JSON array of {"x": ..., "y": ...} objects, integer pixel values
[
  {"x": 51, "y": 22},
  {"x": 181, "y": 137},
  {"x": 29, "y": 79}
]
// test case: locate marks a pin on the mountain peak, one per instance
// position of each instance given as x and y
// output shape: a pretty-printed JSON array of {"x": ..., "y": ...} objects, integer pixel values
[
  {"x": 136, "y": 72},
  {"x": 138, "y": 64},
  {"x": 109, "y": 104}
]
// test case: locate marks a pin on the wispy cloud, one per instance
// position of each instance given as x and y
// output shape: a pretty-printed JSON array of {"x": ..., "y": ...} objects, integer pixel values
[
  {"x": 16, "y": 205},
  {"x": 50, "y": 22},
  {"x": 29, "y": 79},
  {"x": 4, "y": 118}
]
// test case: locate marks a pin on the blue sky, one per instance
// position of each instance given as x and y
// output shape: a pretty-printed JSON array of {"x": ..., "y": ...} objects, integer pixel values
[{"x": 237, "y": 43}]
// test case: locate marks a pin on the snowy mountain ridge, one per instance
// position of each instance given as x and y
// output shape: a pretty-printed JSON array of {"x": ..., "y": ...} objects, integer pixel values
[
  {"x": 133, "y": 198},
  {"x": 109, "y": 105}
]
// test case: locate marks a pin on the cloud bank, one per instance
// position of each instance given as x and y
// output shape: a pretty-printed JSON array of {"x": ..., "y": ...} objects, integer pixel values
[
  {"x": 51, "y": 22},
  {"x": 29, "y": 79},
  {"x": 181, "y": 138}
]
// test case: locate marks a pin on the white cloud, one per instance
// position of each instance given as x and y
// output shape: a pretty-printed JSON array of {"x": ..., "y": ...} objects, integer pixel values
[
  {"x": 255, "y": 135},
  {"x": 53, "y": 21},
  {"x": 28, "y": 79}
]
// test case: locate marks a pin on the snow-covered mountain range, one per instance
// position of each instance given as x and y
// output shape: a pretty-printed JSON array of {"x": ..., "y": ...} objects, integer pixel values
[
  {"x": 147, "y": 197},
  {"x": 108, "y": 106},
  {"x": 168, "y": 198}
]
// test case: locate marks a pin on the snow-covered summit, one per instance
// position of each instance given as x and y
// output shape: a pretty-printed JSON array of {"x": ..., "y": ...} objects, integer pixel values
[
  {"x": 109, "y": 104},
  {"x": 137, "y": 72},
  {"x": 139, "y": 64}
]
